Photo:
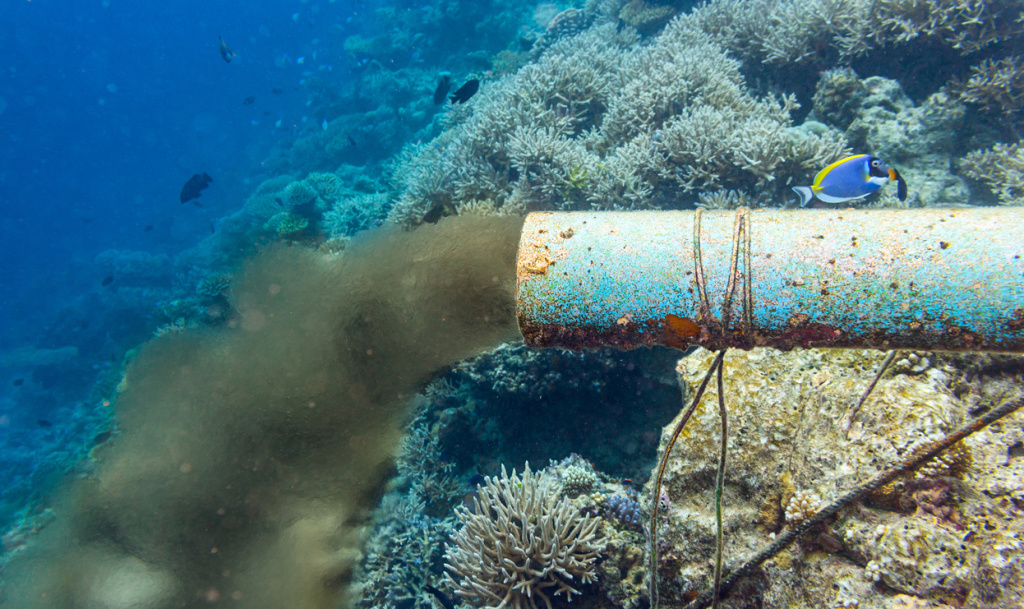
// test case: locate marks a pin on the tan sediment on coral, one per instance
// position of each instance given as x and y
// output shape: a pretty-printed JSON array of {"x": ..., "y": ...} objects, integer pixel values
[{"x": 522, "y": 542}]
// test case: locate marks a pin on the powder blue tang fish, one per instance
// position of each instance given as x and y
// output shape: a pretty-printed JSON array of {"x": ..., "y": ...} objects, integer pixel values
[{"x": 851, "y": 178}]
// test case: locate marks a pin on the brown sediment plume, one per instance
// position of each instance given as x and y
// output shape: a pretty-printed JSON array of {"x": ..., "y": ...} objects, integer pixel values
[{"x": 249, "y": 456}]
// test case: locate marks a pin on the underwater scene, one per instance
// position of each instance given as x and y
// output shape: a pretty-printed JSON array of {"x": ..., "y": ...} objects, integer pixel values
[{"x": 611, "y": 304}]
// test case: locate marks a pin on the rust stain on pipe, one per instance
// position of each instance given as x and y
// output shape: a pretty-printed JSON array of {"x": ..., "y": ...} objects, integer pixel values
[{"x": 877, "y": 279}]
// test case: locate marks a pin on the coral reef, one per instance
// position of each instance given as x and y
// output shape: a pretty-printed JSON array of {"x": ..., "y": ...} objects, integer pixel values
[
  {"x": 577, "y": 476},
  {"x": 429, "y": 476},
  {"x": 996, "y": 85},
  {"x": 601, "y": 122},
  {"x": 521, "y": 543},
  {"x": 626, "y": 510},
  {"x": 1001, "y": 169},
  {"x": 605, "y": 404},
  {"x": 788, "y": 455},
  {"x": 402, "y": 555},
  {"x": 920, "y": 140}
]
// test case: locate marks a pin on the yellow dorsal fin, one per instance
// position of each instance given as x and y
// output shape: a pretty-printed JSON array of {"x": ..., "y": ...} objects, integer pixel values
[{"x": 824, "y": 172}]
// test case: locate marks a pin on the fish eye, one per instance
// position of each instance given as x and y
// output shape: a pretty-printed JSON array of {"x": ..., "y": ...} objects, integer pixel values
[{"x": 875, "y": 162}]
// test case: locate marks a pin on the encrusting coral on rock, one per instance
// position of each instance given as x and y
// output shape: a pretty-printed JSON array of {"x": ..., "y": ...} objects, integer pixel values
[{"x": 931, "y": 535}]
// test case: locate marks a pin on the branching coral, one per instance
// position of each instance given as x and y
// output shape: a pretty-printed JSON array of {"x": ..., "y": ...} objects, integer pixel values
[
  {"x": 600, "y": 122},
  {"x": 794, "y": 31},
  {"x": 785, "y": 31},
  {"x": 1001, "y": 168},
  {"x": 965, "y": 25},
  {"x": 521, "y": 544},
  {"x": 349, "y": 215},
  {"x": 998, "y": 86},
  {"x": 430, "y": 476}
]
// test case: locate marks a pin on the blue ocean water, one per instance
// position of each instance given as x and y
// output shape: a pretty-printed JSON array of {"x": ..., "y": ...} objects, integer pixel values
[{"x": 106, "y": 109}]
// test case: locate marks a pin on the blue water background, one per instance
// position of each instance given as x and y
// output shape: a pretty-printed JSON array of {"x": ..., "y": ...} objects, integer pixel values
[{"x": 109, "y": 107}]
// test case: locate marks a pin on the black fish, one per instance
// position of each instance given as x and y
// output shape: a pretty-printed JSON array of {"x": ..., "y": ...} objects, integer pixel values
[
  {"x": 248, "y": 100},
  {"x": 109, "y": 279},
  {"x": 225, "y": 52},
  {"x": 466, "y": 91},
  {"x": 352, "y": 141},
  {"x": 440, "y": 596},
  {"x": 43, "y": 423},
  {"x": 441, "y": 92},
  {"x": 277, "y": 91},
  {"x": 86, "y": 220},
  {"x": 194, "y": 187},
  {"x": 148, "y": 228},
  {"x": 18, "y": 382}
]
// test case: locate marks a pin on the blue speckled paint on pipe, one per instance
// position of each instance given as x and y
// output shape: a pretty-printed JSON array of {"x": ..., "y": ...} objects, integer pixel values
[{"x": 885, "y": 279}]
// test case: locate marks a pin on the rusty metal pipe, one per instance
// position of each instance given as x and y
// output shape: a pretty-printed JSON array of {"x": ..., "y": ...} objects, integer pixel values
[{"x": 928, "y": 279}]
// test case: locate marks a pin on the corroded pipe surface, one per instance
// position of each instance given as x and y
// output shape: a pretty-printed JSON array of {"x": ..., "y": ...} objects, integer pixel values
[{"x": 934, "y": 279}]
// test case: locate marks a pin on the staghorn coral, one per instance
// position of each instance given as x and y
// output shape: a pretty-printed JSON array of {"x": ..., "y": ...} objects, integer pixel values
[
  {"x": 782, "y": 32},
  {"x": 401, "y": 555},
  {"x": 644, "y": 16},
  {"x": 522, "y": 543},
  {"x": 965, "y": 25},
  {"x": 600, "y": 122},
  {"x": 1001, "y": 168},
  {"x": 430, "y": 476},
  {"x": 350, "y": 214},
  {"x": 785, "y": 31},
  {"x": 997, "y": 86}
]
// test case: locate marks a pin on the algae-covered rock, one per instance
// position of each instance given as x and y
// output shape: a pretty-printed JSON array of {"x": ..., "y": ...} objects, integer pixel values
[{"x": 931, "y": 536}]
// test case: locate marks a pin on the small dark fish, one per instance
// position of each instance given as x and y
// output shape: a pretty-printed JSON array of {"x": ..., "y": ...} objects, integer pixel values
[
  {"x": 86, "y": 220},
  {"x": 18, "y": 382},
  {"x": 194, "y": 187},
  {"x": 109, "y": 279},
  {"x": 440, "y": 596},
  {"x": 627, "y": 482},
  {"x": 441, "y": 92},
  {"x": 44, "y": 423},
  {"x": 352, "y": 141},
  {"x": 476, "y": 480},
  {"x": 213, "y": 230},
  {"x": 149, "y": 227},
  {"x": 249, "y": 100},
  {"x": 277, "y": 91},
  {"x": 466, "y": 91},
  {"x": 279, "y": 201},
  {"x": 225, "y": 52}
]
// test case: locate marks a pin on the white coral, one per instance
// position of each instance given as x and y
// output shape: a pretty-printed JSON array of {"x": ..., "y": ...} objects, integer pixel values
[{"x": 521, "y": 541}]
